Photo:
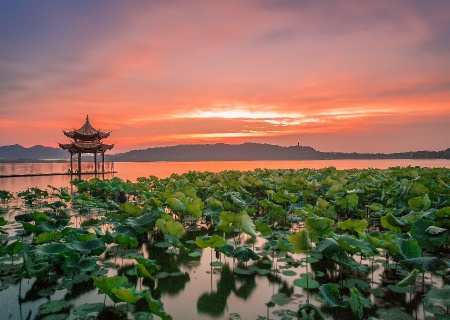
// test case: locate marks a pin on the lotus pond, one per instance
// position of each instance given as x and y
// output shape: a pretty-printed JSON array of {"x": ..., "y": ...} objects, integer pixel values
[{"x": 262, "y": 244}]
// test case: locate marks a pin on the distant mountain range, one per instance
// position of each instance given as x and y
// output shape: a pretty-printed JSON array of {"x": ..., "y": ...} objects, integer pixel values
[
  {"x": 213, "y": 152},
  {"x": 16, "y": 152}
]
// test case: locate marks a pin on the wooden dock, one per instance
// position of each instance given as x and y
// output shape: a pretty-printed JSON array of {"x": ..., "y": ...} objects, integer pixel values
[{"x": 54, "y": 174}]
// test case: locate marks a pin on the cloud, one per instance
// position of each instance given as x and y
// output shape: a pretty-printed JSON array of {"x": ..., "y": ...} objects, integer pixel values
[{"x": 166, "y": 72}]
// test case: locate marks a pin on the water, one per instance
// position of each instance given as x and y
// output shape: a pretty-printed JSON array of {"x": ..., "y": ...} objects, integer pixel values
[
  {"x": 132, "y": 170},
  {"x": 203, "y": 292}
]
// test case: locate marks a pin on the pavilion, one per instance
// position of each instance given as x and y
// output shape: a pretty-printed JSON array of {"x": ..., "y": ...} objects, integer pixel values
[{"x": 87, "y": 139}]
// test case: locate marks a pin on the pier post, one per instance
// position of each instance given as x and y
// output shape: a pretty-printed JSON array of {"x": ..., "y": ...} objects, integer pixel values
[
  {"x": 103, "y": 162},
  {"x": 71, "y": 163},
  {"x": 95, "y": 162},
  {"x": 79, "y": 164}
]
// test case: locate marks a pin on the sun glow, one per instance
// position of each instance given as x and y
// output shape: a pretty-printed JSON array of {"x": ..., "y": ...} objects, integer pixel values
[{"x": 239, "y": 112}]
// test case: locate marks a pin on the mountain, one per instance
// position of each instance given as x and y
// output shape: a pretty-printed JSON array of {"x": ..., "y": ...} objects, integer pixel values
[
  {"x": 17, "y": 152},
  {"x": 215, "y": 152},
  {"x": 258, "y": 151}
]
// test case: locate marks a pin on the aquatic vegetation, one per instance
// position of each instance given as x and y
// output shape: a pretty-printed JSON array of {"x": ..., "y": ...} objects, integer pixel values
[{"x": 336, "y": 243}]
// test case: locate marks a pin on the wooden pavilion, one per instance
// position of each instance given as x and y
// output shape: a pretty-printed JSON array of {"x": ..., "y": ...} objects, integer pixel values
[{"x": 87, "y": 139}]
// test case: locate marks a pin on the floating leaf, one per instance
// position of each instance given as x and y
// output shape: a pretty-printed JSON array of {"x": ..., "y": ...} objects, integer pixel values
[
  {"x": 288, "y": 273},
  {"x": 306, "y": 282},
  {"x": 280, "y": 299},
  {"x": 52, "y": 307}
]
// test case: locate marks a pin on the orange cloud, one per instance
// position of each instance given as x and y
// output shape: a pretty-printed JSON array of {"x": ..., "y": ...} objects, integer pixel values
[{"x": 191, "y": 71}]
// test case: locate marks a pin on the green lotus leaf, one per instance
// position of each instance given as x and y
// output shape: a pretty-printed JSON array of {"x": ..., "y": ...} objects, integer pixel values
[
  {"x": 175, "y": 229},
  {"x": 93, "y": 246},
  {"x": 107, "y": 284},
  {"x": 331, "y": 295},
  {"x": 410, "y": 248},
  {"x": 357, "y": 303},
  {"x": 53, "y": 249},
  {"x": 419, "y": 203},
  {"x": 129, "y": 295},
  {"x": 169, "y": 226},
  {"x": 309, "y": 312},
  {"x": 355, "y": 225},
  {"x": 236, "y": 222},
  {"x": 142, "y": 271},
  {"x": 195, "y": 208},
  {"x": 88, "y": 309},
  {"x": 150, "y": 265},
  {"x": 263, "y": 228},
  {"x": 126, "y": 241},
  {"x": 247, "y": 225},
  {"x": 393, "y": 313},
  {"x": 393, "y": 223},
  {"x": 288, "y": 273},
  {"x": 130, "y": 209},
  {"x": 306, "y": 282},
  {"x": 213, "y": 241},
  {"x": 176, "y": 204},
  {"x": 155, "y": 306},
  {"x": 300, "y": 241},
  {"x": 52, "y": 307},
  {"x": 354, "y": 245},
  {"x": 195, "y": 254},
  {"x": 15, "y": 247},
  {"x": 280, "y": 299},
  {"x": 245, "y": 254},
  {"x": 318, "y": 227},
  {"x": 443, "y": 213},
  {"x": 440, "y": 296},
  {"x": 429, "y": 264}
]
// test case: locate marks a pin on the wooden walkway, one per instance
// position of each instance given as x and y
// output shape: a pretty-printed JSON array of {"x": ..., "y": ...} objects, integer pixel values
[{"x": 53, "y": 174}]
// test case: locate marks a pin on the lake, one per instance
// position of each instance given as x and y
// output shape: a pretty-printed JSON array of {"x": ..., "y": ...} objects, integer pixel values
[
  {"x": 133, "y": 170},
  {"x": 207, "y": 287}
]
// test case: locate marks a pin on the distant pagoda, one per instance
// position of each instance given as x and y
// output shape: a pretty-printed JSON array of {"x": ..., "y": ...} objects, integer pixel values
[{"x": 87, "y": 139}]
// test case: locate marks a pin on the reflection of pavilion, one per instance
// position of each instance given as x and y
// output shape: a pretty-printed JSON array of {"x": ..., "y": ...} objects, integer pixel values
[{"x": 87, "y": 139}]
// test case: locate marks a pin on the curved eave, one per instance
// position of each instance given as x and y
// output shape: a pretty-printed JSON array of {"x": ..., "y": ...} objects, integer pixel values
[
  {"x": 86, "y": 137},
  {"x": 75, "y": 148}
]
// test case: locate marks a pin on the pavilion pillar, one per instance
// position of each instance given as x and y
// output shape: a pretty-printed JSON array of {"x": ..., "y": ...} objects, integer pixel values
[
  {"x": 103, "y": 162},
  {"x": 71, "y": 162},
  {"x": 95, "y": 162},
  {"x": 79, "y": 163}
]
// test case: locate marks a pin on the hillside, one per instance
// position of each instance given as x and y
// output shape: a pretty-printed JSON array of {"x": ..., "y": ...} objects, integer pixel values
[
  {"x": 17, "y": 152},
  {"x": 214, "y": 152}
]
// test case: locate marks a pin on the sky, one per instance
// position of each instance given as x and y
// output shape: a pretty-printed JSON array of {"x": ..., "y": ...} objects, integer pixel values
[{"x": 350, "y": 75}]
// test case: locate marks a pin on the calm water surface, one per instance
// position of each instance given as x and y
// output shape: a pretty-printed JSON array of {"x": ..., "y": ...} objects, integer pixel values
[{"x": 132, "y": 170}]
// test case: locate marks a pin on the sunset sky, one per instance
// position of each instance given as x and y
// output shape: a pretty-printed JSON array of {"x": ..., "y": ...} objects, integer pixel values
[{"x": 336, "y": 75}]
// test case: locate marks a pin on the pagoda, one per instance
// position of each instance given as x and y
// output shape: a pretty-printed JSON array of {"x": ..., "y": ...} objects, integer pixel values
[{"x": 87, "y": 139}]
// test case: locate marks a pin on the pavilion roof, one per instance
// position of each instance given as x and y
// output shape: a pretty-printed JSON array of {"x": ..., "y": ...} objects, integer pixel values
[
  {"x": 86, "y": 146},
  {"x": 87, "y": 132}
]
